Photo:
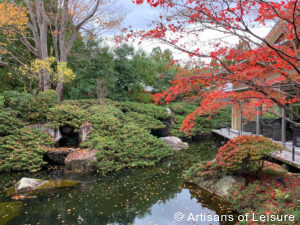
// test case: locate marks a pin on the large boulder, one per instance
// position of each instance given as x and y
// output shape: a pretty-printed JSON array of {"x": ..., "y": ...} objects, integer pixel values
[
  {"x": 224, "y": 184},
  {"x": 53, "y": 132},
  {"x": 85, "y": 129},
  {"x": 175, "y": 142},
  {"x": 57, "y": 156},
  {"x": 220, "y": 185},
  {"x": 30, "y": 185},
  {"x": 81, "y": 161}
]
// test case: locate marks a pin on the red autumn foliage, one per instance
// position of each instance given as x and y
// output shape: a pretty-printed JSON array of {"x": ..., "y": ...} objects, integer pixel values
[
  {"x": 266, "y": 196},
  {"x": 268, "y": 70},
  {"x": 245, "y": 154}
]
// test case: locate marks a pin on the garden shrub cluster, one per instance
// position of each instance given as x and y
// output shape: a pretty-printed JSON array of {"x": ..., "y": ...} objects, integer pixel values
[
  {"x": 203, "y": 170},
  {"x": 9, "y": 122},
  {"x": 263, "y": 195},
  {"x": 20, "y": 147},
  {"x": 127, "y": 146},
  {"x": 23, "y": 150},
  {"x": 148, "y": 116},
  {"x": 245, "y": 154},
  {"x": 121, "y": 131},
  {"x": 158, "y": 112},
  {"x": 66, "y": 114},
  {"x": 145, "y": 121},
  {"x": 29, "y": 107},
  {"x": 266, "y": 196},
  {"x": 121, "y": 142}
]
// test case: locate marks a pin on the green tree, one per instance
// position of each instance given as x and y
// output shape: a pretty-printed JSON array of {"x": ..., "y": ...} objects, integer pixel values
[
  {"x": 164, "y": 68},
  {"x": 94, "y": 67}
]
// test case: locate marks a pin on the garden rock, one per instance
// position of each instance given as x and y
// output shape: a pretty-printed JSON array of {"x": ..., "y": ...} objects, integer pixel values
[
  {"x": 54, "y": 133},
  {"x": 220, "y": 185},
  {"x": 85, "y": 129},
  {"x": 57, "y": 155},
  {"x": 81, "y": 161},
  {"x": 169, "y": 111},
  {"x": 29, "y": 185},
  {"x": 175, "y": 142},
  {"x": 224, "y": 184}
]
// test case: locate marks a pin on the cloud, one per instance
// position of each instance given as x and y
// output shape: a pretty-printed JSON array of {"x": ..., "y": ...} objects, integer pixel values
[{"x": 141, "y": 16}]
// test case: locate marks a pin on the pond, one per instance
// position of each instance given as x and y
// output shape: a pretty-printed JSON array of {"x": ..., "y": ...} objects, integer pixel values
[{"x": 139, "y": 196}]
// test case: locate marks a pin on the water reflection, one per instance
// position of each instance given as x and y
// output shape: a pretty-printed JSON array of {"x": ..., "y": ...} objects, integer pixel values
[{"x": 140, "y": 196}]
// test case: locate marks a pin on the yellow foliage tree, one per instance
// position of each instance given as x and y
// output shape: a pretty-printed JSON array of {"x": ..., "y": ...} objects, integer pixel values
[
  {"x": 38, "y": 67},
  {"x": 13, "y": 21},
  {"x": 32, "y": 21}
]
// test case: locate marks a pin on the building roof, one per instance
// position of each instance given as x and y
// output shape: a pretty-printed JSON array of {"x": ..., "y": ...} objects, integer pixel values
[{"x": 276, "y": 34}]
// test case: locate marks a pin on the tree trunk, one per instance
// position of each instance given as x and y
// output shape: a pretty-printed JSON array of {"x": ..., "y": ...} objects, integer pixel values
[
  {"x": 60, "y": 91},
  {"x": 39, "y": 26},
  {"x": 60, "y": 84},
  {"x": 44, "y": 55}
]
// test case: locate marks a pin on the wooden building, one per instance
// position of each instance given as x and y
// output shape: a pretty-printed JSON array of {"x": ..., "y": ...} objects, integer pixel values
[
  {"x": 275, "y": 37},
  {"x": 3, "y": 64}
]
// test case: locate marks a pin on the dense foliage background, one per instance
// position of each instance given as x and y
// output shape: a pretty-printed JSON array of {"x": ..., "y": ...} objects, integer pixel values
[{"x": 120, "y": 74}]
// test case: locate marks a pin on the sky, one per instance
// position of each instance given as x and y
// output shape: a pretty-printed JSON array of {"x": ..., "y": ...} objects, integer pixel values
[{"x": 141, "y": 17}]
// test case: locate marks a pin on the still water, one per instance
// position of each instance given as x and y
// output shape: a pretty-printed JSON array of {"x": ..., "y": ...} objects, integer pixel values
[{"x": 139, "y": 196}]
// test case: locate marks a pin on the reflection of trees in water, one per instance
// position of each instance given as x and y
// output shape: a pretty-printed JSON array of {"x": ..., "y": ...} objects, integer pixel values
[
  {"x": 210, "y": 200},
  {"x": 117, "y": 199},
  {"x": 133, "y": 195}
]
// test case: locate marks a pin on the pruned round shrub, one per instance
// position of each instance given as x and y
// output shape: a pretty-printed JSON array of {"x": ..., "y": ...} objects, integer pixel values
[
  {"x": 9, "y": 122},
  {"x": 30, "y": 108},
  {"x": 122, "y": 143},
  {"x": 130, "y": 146},
  {"x": 43, "y": 101},
  {"x": 245, "y": 154},
  {"x": 23, "y": 150},
  {"x": 71, "y": 115},
  {"x": 145, "y": 121},
  {"x": 157, "y": 112},
  {"x": 19, "y": 101}
]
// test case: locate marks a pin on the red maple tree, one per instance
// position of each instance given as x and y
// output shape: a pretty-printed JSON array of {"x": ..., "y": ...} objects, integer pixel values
[{"x": 265, "y": 70}]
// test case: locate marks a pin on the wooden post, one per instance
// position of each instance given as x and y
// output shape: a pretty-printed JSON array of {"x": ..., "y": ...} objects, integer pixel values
[
  {"x": 257, "y": 122},
  {"x": 283, "y": 127},
  {"x": 241, "y": 122}
]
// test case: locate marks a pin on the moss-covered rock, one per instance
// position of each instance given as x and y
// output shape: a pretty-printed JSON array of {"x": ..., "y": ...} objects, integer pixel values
[
  {"x": 81, "y": 161},
  {"x": 31, "y": 186}
]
